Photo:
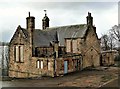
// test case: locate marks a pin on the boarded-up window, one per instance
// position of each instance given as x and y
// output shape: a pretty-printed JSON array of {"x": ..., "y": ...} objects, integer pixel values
[
  {"x": 68, "y": 45},
  {"x": 74, "y": 46}
]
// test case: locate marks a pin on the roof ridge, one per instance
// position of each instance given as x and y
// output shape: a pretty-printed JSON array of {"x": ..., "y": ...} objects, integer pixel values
[
  {"x": 56, "y": 27},
  {"x": 64, "y": 26},
  {"x": 43, "y": 37}
]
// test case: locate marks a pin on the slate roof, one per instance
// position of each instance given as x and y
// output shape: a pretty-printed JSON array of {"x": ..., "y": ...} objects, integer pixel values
[
  {"x": 25, "y": 32},
  {"x": 44, "y": 37}
]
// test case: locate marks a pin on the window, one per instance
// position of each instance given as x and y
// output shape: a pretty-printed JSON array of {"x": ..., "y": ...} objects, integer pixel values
[
  {"x": 91, "y": 49},
  {"x": 108, "y": 59},
  {"x": 39, "y": 64},
  {"x": 68, "y": 45},
  {"x": 19, "y": 53},
  {"x": 49, "y": 64},
  {"x": 74, "y": 46},
  {"x": 71, "y": 45}
]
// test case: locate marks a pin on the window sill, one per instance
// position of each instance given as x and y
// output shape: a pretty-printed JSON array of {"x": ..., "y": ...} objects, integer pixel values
[{"x": 19, "y": 62}]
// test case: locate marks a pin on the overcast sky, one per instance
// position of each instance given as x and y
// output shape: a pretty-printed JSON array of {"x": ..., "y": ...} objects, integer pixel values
[{"x": 12, "y": 14}]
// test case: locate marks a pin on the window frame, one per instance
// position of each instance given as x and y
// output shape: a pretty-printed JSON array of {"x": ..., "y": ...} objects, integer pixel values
[
  {"x": 40, "y": 66},
  {"x": 19, "y": 53},
  {"x": 49, "y": 65}
]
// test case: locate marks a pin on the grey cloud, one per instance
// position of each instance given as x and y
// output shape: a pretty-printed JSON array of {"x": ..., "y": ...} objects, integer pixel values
[
  {"x": 75, "y": 10},
  {"x": 6, "y": 35},
  {"x": 119, "y": 13},
  {"x": 70, "y": 5}
]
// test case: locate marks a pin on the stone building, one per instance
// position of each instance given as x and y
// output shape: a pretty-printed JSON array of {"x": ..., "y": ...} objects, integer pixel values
[
  {"x": 52, "y": 51},
  {"x": 108, "y": 57}
]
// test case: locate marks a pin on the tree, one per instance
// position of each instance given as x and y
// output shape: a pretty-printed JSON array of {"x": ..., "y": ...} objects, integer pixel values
[
  {"x": 111, "y": 41},
  {"x": 107, "y": 42},
  {"x": 115, "y": 31},
  {"x": 104, "y": 42}
]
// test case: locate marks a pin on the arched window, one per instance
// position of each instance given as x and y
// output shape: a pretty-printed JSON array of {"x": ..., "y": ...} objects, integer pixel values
[
  {"x": 41, "y": 64},
  {"x": 38, "y": 64}
]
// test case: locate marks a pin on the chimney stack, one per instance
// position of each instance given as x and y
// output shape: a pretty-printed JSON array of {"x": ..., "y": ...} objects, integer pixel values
[{"x": 30, "y": 22}]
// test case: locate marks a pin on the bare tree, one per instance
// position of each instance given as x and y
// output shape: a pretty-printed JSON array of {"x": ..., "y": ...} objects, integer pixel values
[
  {"x": 104, "y": 42},
  {"x": 115, "y": 31},
  {"x": 107, "y": 42},
  {"x": 111, "y": 41}
]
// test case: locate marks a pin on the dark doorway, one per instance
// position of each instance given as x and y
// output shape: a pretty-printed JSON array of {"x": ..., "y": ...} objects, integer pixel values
[{"x": 101, "y": 64}]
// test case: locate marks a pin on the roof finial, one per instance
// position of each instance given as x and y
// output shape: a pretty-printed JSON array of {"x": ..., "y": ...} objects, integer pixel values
[
  {"x": 45, "y": 12},
  {"x": 29, "y": 14}
]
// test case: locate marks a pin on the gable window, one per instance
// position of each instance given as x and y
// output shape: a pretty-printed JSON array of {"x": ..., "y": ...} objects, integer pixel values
[
  {"x": 18, "y": 53},
  {"x": 91, "y": 49},
  {"x": 39, "y": 64}
]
